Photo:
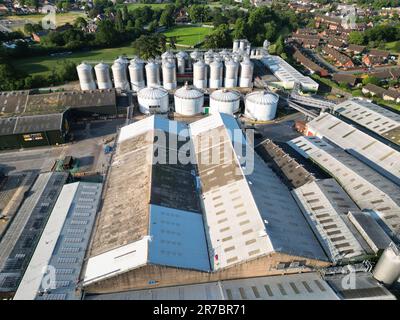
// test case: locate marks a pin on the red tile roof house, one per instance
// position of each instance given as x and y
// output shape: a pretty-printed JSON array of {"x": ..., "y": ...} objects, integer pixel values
[
  {"x": 348, "y": 79},
  {"x": 375, "y": 57},
  {"x": 341, "y": 59}
]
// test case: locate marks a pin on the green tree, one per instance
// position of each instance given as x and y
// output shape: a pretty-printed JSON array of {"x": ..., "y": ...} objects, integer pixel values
[
  {"x": 80, "y": 23},
  {"x": 219, "y": 38},
  {"x": 279, "y": 46},
  {"x": 149, "y": 46},
  {"x": 357, "y": 37},
  {"x": 198, "y": 13},
  {"x": 370, "y": 80},
  {"x": 239, "y": 30}
]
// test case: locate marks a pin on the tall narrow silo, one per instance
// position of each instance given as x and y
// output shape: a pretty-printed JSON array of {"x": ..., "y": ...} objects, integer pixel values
[
  {"x": 85, "y": 74},
  {"x": 231, "y": 74},
  {"x": 387, "y": 270},
  {"x": 246, "y": 73},
  {"x": 102, "y": 72},
  {"x": 136, "y": 74},
  {"x": 152, "y": 74},
  {"x": 182, "y": 59},
  {"x": 236, "y": 43},
  {"x": 216, "y": 74},
  {"x": 200, "y": 75},
  {"x": 120, "y": 76},
  {"x": 169, "y": 75}
]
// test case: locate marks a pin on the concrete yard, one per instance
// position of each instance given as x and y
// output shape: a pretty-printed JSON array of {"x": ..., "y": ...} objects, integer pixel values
[{"x": 88, "y": 145}]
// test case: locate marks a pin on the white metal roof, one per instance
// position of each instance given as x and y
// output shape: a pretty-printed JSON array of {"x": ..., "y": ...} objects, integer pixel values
[
  {"x": 369, "y": 150},
  {"x": 367, "y": 188},
  {"x": 62, "y": 244},
  {"x": 285, "y": 72},
  {"x": 371, "y": 116},
  {"x": 245, "y": 216},
  {"x": 325, "y": 205},
  {"x": 305, "y": 286}
]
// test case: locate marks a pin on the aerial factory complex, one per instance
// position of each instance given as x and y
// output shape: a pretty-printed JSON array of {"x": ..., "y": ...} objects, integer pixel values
[{"x": 218, "y": 174}]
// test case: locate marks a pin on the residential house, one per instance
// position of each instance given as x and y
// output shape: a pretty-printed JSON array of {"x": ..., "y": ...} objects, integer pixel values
[
  {"x": 340, "y": 58},
  {"x": 355, "y": 49},
  {"x": 373, "y": 90},
  {"x": 391, "y": 95},
  {"x": 309, "y": 64},
  {"x": 348, "y": 79},
  {"x": 375, "y": 57}
]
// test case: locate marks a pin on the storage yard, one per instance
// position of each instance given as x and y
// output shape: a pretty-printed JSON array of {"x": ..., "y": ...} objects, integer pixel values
[{"x": 146, "y": 184}]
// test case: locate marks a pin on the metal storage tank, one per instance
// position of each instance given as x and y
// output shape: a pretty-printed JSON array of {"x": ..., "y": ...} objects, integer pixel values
[
  {"x": 196, "y": 55},
  {"x": 136, "y": 74},
  {"x": 152, "y": 74},
  {"x": 102, "y": 72},
  {"x": 188, "y": 100},
  {"x": 224, "y": 101},
  {"x": 261, "y": 105},
  {"x": 266, "y": 44},
  {"x": 387, "y": 270},
  {"x": 200, "y": 75},
  {"x": 216, "y": 74},
  {"x": 123, "y": 60},
  {"x": 169, "y": 75},
  {"x": 153, "y": 100},
  {"x": 168, "y": 56},
  {"x": 243, "y": 44},
  {"x": 235, "y": 45},
  {"x": 231, "y": 74},
  {"x": 85, "y": 75},
  {"x": 182, "y": 60},
  {"x": 120, "y": 76},
  {"x": 246, "y": 73}
]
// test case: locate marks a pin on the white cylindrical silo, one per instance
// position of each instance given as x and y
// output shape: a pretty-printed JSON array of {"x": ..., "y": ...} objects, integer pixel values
[
  {"x": 387, "y": 270},
  {"x": 200, "y": 75},
  {"x": 120, "y": 76},
  {"x": 85, "y": 74},
  {"x": 216, "y": 74},
  {"x": 246, "y": 73},
  {"x": 182, "y": 61},
  {"x": 196, "y": 55},
  {"x": 152, "y": 74},
  {"x": 188, "y": 100},
  {"x": 169, "y": 75},
  {"x": 136, "y": 74},
  {"x": 236, "y": 43},
  {"x": 243, "y": 44},
  {"x": 231, "y": 74},
  {"x": 224, "y": 101},
  {"x": 266, "y": 44},
  {"x": 102, "y": 72},
  {"x": 261, "y": 105},
  {"x": 168, "y": 56},
  {"x": 153, "y": 100}
]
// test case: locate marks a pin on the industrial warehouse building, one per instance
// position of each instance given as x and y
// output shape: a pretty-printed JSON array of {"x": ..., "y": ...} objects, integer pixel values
[
  {"x": 174, "y": 227},
  {"x": 28, "y": 120},
  {"x": 374, "y": 153},
  {"x": 366, "y": 187},
  {"x": 373, "y": 117},
  {"x": 19, "y": 241},
  {"x": 62, "y": 245}
]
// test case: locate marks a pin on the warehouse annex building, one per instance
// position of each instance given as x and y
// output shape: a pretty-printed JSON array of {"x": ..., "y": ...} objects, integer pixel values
[
  {"x": 366, "y": 187},
  {"x": 28, "y": 120},
  {"x": 374, "y": 153},
  {"x": 172, "y": 227}
]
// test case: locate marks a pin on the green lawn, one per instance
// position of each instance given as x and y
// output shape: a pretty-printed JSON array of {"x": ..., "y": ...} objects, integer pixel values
[
  {"x": 391, "y": 46},
  {"x": 61, "y": 19},
  {"x": 44, "y": 64},
  {"x": 188, "y": 35},
  {"x": 154, "y": 6}
]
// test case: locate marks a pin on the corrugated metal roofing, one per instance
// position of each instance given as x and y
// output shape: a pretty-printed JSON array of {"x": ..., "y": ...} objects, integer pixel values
[
  {"x": 62, "y": 244},
  {"x": 369, "y": 150},
  {"x": 306, "y": 286},
  {"x": 367, "y": 188}
]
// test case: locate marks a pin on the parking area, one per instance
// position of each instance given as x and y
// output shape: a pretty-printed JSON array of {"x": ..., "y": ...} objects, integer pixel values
[{"x": 88, "y": 148}]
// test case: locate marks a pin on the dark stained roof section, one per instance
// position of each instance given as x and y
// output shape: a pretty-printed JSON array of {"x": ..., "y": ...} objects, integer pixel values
[{"x": 38, "y": 123}]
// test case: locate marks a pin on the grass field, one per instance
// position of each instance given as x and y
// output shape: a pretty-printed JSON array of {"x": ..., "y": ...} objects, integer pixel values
[
  {"x": 154, "y": 6},
  {"x": 61, "y": 19},
  {"x": 44, "y": 64},
  {"x": 391, "y": 46},
  {"x": 188, "y": 35}
]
